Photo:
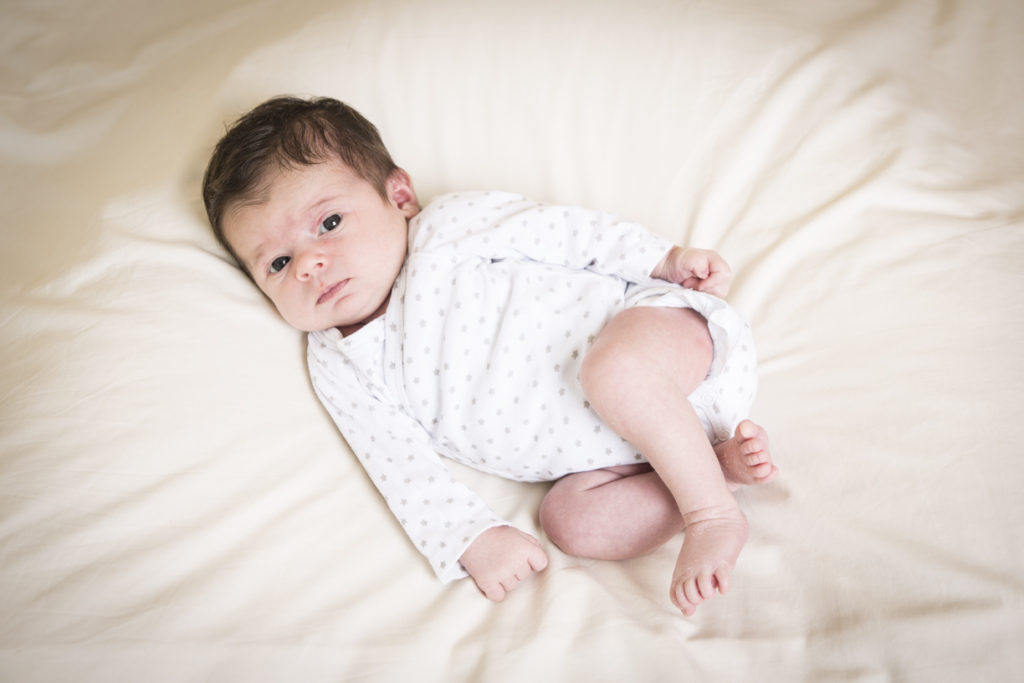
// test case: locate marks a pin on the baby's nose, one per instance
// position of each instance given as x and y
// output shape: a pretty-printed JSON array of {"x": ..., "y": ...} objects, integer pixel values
[{"x": 309, "y": 263}]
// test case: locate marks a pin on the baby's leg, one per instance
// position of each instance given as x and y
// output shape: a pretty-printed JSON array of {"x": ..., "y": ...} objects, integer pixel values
[
  {"x": 621, "y": 512},
  {"x": 610, "y": 514},
  {"x": 637, "y": 377}
]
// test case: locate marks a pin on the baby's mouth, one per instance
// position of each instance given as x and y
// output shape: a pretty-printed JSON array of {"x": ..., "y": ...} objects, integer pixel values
[{"x": 328, "y": 293}]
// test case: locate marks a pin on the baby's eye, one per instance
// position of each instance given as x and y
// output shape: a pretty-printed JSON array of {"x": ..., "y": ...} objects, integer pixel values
[
  {"x": 330, "y": 223},
  {"x": 278, "y": 264}
]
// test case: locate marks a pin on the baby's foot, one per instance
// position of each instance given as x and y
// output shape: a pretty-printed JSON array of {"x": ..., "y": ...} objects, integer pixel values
[
  {"x": 745, "y": 458},
  {"x": 713, "y": 540}
]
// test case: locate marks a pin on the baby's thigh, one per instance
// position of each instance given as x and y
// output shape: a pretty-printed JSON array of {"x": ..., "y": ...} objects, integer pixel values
[{"x": 673, "y": 342}]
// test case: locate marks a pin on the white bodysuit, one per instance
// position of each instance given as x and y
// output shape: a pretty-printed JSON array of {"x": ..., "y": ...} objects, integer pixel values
[{"x": 477, "y": 358}]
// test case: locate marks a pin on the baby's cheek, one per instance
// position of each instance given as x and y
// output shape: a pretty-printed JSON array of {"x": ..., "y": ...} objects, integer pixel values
[{"x": 292, "y": 316}]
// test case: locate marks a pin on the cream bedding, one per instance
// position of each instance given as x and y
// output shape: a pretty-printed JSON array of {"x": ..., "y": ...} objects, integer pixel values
[{"x": 176, "y": 506}]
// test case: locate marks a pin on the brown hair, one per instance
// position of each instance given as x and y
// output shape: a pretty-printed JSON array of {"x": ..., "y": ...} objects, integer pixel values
[{"x": 288, "y": 132}]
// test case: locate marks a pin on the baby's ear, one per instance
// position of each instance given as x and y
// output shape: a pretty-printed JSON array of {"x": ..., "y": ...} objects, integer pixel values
[{"x": 401, "y": 193}]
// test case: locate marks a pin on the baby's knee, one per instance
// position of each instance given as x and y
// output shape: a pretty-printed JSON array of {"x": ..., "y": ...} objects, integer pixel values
[
  {"x": 644, "y": 344},
  {"x": 609, "y": 369},
  {"x": 551, "y": 517},
  {"x": 560, "y": 524}
]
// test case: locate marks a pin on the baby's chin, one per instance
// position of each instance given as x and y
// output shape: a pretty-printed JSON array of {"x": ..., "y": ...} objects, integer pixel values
[
  {"x": 347, "y": 314},
  {"x": 346, "y": 327},
  {"x": 306, "y": 324}
]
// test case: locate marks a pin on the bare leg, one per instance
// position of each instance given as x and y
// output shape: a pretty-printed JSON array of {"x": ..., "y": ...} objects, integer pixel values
[
  {"x": 610, "y": 514},
  {"x": 637, "y": 376},
  {"x": 617, "y": 513}
]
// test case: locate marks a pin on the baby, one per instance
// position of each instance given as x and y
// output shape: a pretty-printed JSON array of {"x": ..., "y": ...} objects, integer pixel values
[{"x": 535, "y": 342}]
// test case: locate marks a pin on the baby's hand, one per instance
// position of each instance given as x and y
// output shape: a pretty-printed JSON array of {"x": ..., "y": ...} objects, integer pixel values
[
  {"x": 500, "y": 558},
  {"x": 700, "y": 269}
]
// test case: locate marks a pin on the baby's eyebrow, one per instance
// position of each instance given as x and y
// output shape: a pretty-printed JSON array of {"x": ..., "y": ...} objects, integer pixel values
[
  {"x": 259, "y": 254},
  {"x": 318, "y": 207}
]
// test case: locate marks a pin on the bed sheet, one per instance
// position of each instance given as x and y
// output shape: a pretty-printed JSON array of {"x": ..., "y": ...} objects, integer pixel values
[{"x": 176, "y": 506}]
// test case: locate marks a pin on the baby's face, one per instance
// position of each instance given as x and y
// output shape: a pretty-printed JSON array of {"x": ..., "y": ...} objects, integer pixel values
[{"x": 323, "y": 245}]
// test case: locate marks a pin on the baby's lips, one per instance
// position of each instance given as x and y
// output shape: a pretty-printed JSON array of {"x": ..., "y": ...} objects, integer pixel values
[{"x": 331, "y": 291}]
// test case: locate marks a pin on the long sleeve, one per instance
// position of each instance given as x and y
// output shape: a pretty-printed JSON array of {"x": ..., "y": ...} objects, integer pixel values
[
  {"x": 440, "y": 515},
  {"x": 499, "y": 225}
]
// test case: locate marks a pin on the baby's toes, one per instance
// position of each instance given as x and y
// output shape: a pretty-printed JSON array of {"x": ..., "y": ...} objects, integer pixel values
[
  {"x": 706, "y": 585},
  {"x": 692, "y": 593},
  {"x": 722, "y": 581},
  {"x": 679, "y": 599},
  {"x": 756, "y": 458},
  {"x": 764, "y": 472},
  {"x": 748, "y": 430},
  {"x": 752, "y": 446}
]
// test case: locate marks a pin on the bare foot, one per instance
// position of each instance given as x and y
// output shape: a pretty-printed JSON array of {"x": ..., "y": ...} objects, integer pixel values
[
  {"x": 745, "y": 458},
  {"x": 713, "y": 540}
]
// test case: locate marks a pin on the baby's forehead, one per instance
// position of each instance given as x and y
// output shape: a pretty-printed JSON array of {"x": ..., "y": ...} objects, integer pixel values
[
  {"x": 291, "y": 191},
  {"x": 244, "y": 226},
  {"x": 277, "y": 181},
  {"x": 281, "y": 190},
  {"x": 285, "y": 179}
]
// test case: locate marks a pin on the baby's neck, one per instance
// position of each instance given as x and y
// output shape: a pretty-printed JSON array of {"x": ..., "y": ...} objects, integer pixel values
[{"x": 347, "y": 330}]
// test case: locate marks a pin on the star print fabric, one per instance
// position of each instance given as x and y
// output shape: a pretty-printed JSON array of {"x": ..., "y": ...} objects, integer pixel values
[{"x": 477, "y": 358}]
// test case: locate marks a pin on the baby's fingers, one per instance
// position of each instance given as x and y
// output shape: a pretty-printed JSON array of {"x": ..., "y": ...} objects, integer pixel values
[
  {"x": 493, "y": 590},
  {"x": 717, "y": 283},
  {"x": 537, "y": 560}
]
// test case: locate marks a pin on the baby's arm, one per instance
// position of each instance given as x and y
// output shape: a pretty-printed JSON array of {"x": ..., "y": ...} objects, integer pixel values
[
  {"x": 500, "y": 558},
  {"x": 497, "y": 226},
  {"x": 439, "y": 514},
  {"x": 700, "y": 269}
]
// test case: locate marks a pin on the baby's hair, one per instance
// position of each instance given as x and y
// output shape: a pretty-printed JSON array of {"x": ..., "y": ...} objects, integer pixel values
[{"x": 289, "y": 132}]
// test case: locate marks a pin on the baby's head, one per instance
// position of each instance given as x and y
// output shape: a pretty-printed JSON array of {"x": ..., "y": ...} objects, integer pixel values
[
  {"x": 306, "y": 197},
  {"x": 288, "y": 133}
]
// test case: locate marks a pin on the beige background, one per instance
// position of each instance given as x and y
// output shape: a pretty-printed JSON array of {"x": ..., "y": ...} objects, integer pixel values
[{"x": 176, "y": 506}]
